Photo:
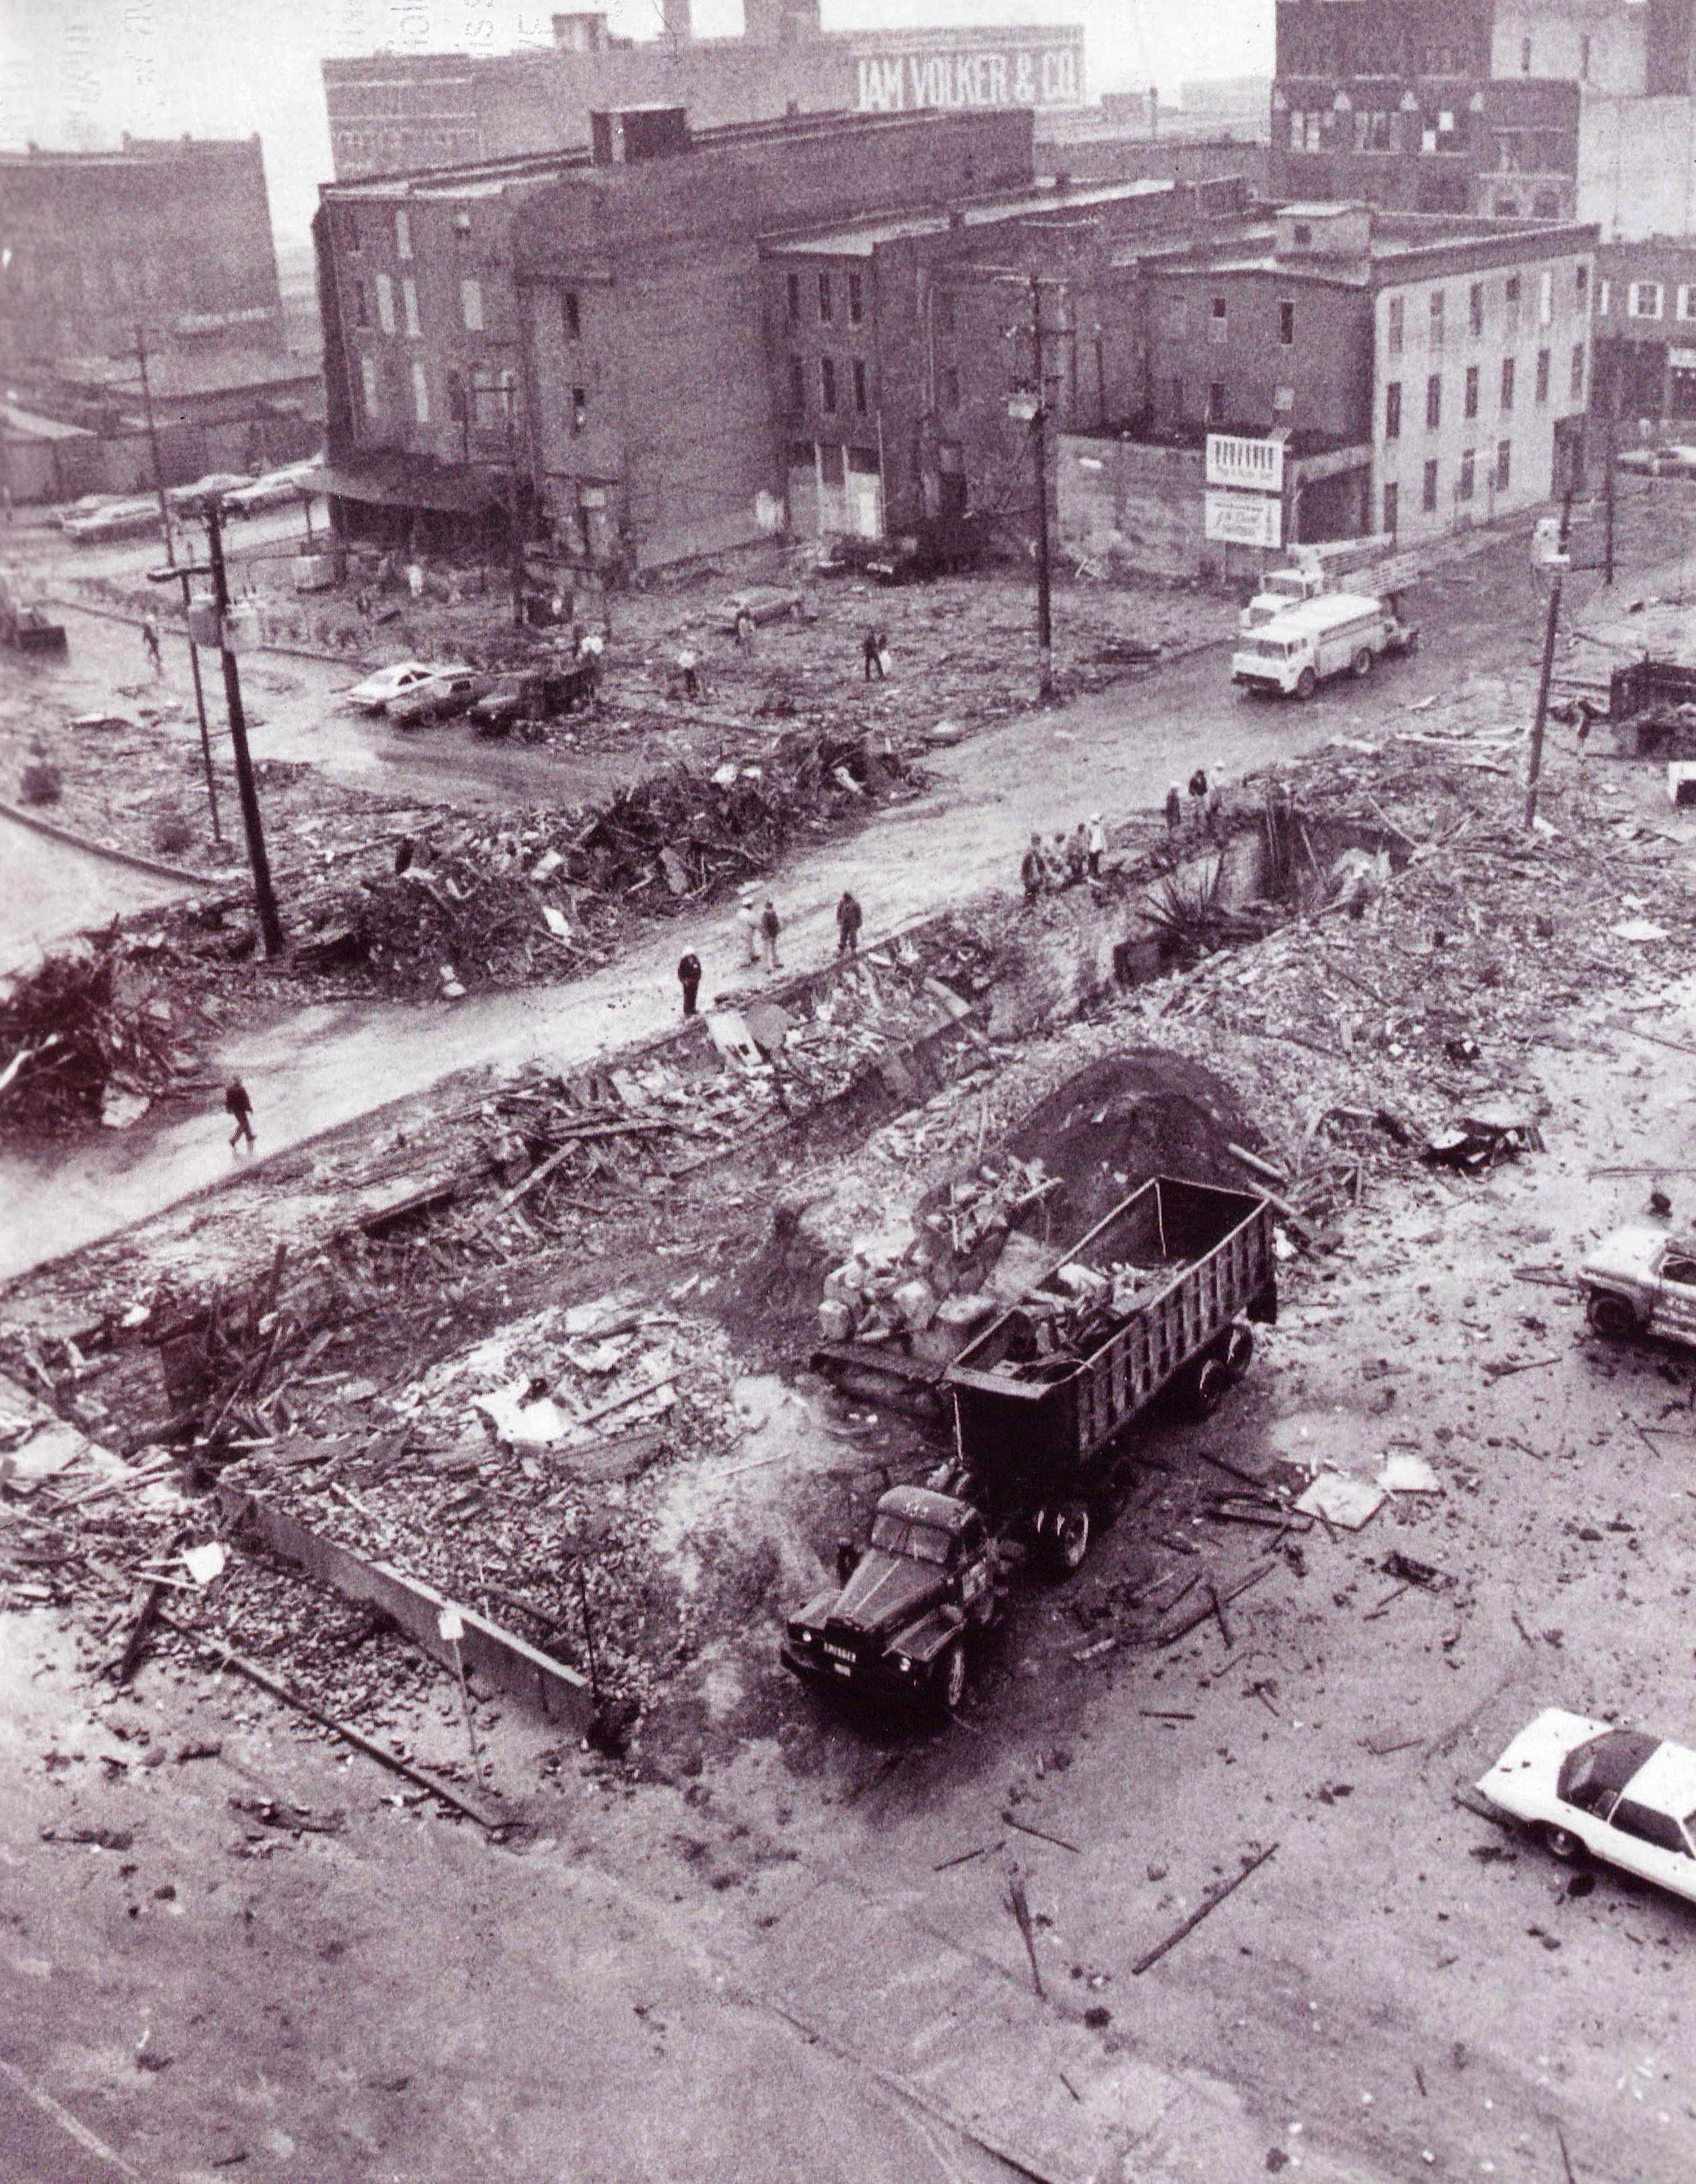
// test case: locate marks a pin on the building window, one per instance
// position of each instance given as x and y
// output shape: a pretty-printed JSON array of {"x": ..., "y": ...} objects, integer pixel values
[
  {"x": 945, "y": 314},
  {"x": 403, "y": 237},
  {"x": 1215, "y": 402},
  {"x": 1392, "y": 410},
  {"x": 408, "y": 302},
  {"x": 367, "y": 386},
  {"x": 1543, "y": 374},
  {"x": 1433, "y": 402},
  {"x": 1463, "y": 490},
  {"x": 823, "y": 300},
  {"x": 1545, "y": 204},
  {"x": 1436, "y": 317},
  {"x": 1584, "y": 58},
  {"x": 1301, "y": 235},
  {"x": 420, "y": 394},
  {"x": 1218, "y": 322},
  {"x": 948, "y": 386},
  {"x": 1177, "y": 395},
  {"x": 1642, "y": 300},
  {"x": 860, "y": 387},
  {"x": 580, "y": 408},
  {"x": 797, "y": 386},
  {"x": 1575, "y": 384},
  {"x": 1475, "y": 309},
  {"x": 1504, "y": 456},
  {"x": 1512, "y": 294},
  {"x": 1398, "y": 318},
  {"x": 471, "y": 304},
  {"x": 492, "y": 403},
  {"x": 459, "y": 410},
  {"x": 1471, "y": 401},
  {"x": 856, "y": 287},
  {"x": 1392, "y": 499},
  {"x": 1604, "y": 297},
  {"x": 572, "y": 312},
  {"x": 362, "y": 304},
  {"x": 351, "y": 219},
  {"x": 386, "y": 302},
  {"x": 827, "y": 384},
  {"x": 1581, "y": 287},
  {"x": 1507, "y": 382},
  {"x": 1286, "y": 325},
  {"x": 1524, "y": 56},
  {"x": 1545, "y": 297},
  {"x": 1687, "y": 299},
  {"x": 794, "y": 295},
  {"x": 1428, "y": 499}
]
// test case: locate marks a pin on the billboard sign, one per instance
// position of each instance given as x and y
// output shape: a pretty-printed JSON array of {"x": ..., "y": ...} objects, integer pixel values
[
  {"x": 1243, "y": 519},
  {"x": 898, "y": 74},
  {"x": 1251, "y": 465}
]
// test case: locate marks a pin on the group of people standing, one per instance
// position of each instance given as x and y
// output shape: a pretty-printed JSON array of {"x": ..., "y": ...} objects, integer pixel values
[
  {"x": 761, "y": 925},
  {"x": 1067, "y": 861}
]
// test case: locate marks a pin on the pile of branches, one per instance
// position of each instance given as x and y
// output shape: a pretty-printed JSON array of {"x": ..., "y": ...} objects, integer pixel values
[{"x": 66, "y": 1039}]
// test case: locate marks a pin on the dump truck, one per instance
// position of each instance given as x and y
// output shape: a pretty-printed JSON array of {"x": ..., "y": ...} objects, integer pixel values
[
  {"x": 1155, "y": 1297},
  {"x": 24, "y": 623}
]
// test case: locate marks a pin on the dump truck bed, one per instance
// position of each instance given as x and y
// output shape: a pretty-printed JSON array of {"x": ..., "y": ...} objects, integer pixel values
[{"x": 1055, "y": 1379}]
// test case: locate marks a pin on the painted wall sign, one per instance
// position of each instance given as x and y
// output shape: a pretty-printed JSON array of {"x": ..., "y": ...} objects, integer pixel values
[
  {"x": 897, "y": 75},
  {"x": 1243, "y": 519}
]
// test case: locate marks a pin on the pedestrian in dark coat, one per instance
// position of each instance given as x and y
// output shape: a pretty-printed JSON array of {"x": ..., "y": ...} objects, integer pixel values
[
  {"x": 1096, "y": 840},
  {"x": 150, "y": 639},
  {"x": 689, "y": 979},
  {"x": 238, "y": 1103},
  {"x": 1175, "y": 810},
  {"x": 770, "y": 926},
  {"x": 872, "y": 654},
  {"x": 849, "y": 919},
  {"x": 1032, "y": 871}
]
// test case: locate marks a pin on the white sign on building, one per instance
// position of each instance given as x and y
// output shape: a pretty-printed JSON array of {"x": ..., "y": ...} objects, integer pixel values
[
  {"x": 1249, "y": 466},
  {"x": 929, "y": 68},
  {"x": 1243, "y": 519}
]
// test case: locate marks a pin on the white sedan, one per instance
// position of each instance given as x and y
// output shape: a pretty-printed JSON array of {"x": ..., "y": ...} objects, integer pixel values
[
  {"x": 376, "y": 691},
  {"x": 1619, "y": 1794},
  {"x": 283, "y": 488},
  {"x": 1659, "y": 462},
  {"x": 212, "y": 486}
]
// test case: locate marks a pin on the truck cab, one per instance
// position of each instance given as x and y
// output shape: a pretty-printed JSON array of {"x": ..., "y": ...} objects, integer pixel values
[
  {"x": 1281, "y": 588},
  {"x": 895, "y": 1624},
  {"x": 1642, "y": 1280}
]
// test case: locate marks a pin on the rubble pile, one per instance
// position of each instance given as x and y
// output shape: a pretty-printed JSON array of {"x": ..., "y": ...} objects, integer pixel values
[{"x": 74, "y": 1045}]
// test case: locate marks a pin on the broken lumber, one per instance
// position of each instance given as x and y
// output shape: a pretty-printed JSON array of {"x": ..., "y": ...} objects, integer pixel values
[
  {"x": 1041, "y": 1833},
  {"x": 1209, "y": 1903},
  {"x": 1202, "y": 1614},
  {"x": 228, "y": 1658},
  {"x": 618, "y": 1403},
  {"x": 1291, "y": 1217},
  {"x": 136, "y": 1644}
]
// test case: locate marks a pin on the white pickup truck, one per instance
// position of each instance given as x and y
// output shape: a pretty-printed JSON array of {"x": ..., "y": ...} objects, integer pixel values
[
  {"x": 1338, "y": 631},
  {"x": 1641, "y": 1280}
]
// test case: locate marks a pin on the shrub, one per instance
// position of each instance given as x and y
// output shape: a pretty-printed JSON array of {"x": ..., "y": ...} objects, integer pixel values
[
  {"x": 42, "y": 783},
  {"x": 172, "y": 833}
]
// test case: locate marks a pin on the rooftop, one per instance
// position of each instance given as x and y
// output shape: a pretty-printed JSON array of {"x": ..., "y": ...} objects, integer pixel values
[
  {"x": 134, "y": 151},
  {"x": 1396, "y": 239},
  {"x": 860, "y": 238},
  {"x": 170, "y": 376}
]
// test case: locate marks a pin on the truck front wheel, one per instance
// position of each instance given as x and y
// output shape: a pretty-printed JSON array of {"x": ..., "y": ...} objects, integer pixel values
[
  {"x": 1306, "y": 683},
  {"x": 949, "y": 1687},
  {"x": 1360, "y": 666},
  {"x": 1066, "y": 1541},
  {"x": 1612, "y": 1318}
]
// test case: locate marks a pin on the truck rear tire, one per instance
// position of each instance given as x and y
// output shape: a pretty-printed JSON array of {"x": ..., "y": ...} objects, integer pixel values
[
  {"x": 1360, "y": 666},
  {"x": 1611, "y": 1318},
  {"x": 1239, "y": 1353},
  {"x": 1066, "y": 1539},
  {"x": 1306, "y": 683},
  {"x": 1208, "y": 1381}
]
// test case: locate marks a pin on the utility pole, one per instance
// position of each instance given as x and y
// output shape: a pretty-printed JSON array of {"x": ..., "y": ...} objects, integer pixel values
[
  {"x": 271, "y": 925},
  {"x": 1608, "y": 496},
  {"x": 515, "y": 536},
  {"x": 1036, "y": 411},
  {"x": 170, "y": 557},
  {"x": 1557, "y": 568}
]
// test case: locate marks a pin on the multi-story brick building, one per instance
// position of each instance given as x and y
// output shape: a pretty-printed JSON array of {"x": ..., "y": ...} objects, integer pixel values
[
  {"x": 1645, "y": 331},
  {"x": 401, "y": 112},
  {"x": 590, "y": 331},
  {"x": 174, "y": 237}
]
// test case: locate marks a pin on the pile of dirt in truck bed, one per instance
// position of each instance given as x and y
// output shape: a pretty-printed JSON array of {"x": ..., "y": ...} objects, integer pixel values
[{"x": 1131, "y": 1115}]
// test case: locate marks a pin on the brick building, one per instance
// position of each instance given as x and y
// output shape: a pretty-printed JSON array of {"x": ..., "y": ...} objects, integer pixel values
[
  {"x": 1416, "y": 373},
  {"x": 399, "y": 113},
  {"x": 587, "y": 331},
  {"x": 172, "y": 235},
  {"x": 1514, "y": 109},
  {"x": 1645, "y": 332}
]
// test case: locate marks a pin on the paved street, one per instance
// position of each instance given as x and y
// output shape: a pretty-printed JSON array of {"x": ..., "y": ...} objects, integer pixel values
[{"x": 49, "y": 890}]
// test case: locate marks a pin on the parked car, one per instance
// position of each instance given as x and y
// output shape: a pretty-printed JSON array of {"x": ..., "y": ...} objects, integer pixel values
[
  {"x": 764, "y": 602},
  {"x": 375, "y": 693},
  {"x": 1659, "y": 462},
  {"x": 281, "y": 488},
  {"x": 1619, "y": 1794},
  {"x": 119, "y": 519},
  {"x": 1642, "y": 1280},
  {"x": 455, "y": 690},
  {"x": 212, "y": 486}
]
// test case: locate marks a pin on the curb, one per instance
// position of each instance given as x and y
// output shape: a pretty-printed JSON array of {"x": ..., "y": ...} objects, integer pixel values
[{"x": 140, "y": 864}]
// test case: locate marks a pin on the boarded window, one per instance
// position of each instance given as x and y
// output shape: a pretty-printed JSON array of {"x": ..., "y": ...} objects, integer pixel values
[
  {"x": 386, "y": 302},
  {"x": 471, "y": 303},
  {"x": 420, "y": 394}
]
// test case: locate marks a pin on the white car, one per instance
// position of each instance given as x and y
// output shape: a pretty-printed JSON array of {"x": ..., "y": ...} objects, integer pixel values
[
  {"x": 376, "y": 691},
  {"x": 212, "y": 486},
  {"x": 1642, "y": 1280},
  {"x": 1619, "y": 1794},
  {"x": 1659, "y": 462},
  {"x": 280, "y": 488},
  {"x": 121, "y": 519}
]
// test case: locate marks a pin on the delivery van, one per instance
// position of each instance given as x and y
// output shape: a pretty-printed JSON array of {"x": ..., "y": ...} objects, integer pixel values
[{"x": 1338, "y": 631}]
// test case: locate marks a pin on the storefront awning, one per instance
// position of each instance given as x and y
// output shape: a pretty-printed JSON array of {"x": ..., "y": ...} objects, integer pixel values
[{"x": 410, "y": 481}]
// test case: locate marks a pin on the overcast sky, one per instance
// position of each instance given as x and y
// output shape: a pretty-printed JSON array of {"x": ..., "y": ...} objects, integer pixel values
[{"x": 80, "y": 72}]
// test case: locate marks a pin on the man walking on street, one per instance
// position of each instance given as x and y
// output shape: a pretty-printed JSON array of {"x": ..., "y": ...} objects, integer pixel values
[
  {"x": 689, "y": 668},
  {"x": 1175, "y": 810},
  {"x": 849, "y": 919},
  {"x": 689, "y": 979},
  {"x": 1031, "y": 872},
  {"x": 872, "y": 654},
  {"x": 150, "y": 638},
  {"x": 771, "y": 926},
  {"x": 236, "y": 1103},
  {"x": 1096, "y": 840}
]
